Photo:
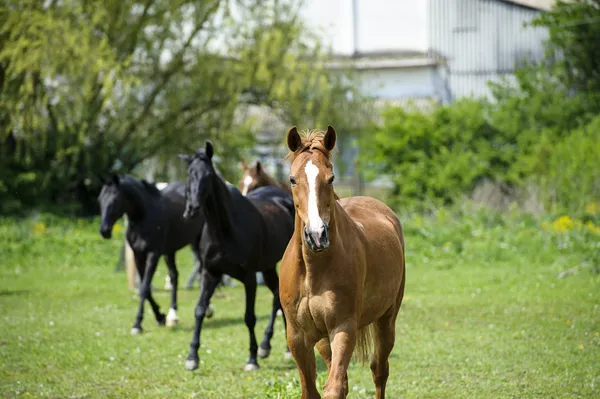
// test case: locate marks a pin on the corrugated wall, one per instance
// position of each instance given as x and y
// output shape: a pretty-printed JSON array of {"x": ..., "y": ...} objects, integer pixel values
[{"x": 481, "y": 41}]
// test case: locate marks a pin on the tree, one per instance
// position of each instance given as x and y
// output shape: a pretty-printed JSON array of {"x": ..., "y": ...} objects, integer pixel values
[{"x": 90, "y": 86}]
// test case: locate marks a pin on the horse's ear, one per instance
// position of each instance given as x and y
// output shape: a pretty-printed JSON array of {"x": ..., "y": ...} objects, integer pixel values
[
  {"x": 329, "y": 138},
  {"x": 184, "y": 157},
  {"x": 115, "y": 179},
  {"x": 258, "y": 166},
  {"x": 244, "y": 166},
  {"x": 208, "y": 149},
  {"x": 293, "y": 139}
]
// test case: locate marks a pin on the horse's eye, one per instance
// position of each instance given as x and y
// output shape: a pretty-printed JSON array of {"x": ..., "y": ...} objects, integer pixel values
[
  {"x": 292, "y": 180},
  {"x": 330, "y": 180}
]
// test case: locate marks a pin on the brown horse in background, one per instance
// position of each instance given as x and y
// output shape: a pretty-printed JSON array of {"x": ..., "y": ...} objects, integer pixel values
[
  {"x": 342, "y": 275},
  {"x": 255, "y": 177}
]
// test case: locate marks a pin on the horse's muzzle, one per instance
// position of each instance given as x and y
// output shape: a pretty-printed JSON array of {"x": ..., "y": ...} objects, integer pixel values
[
  {"x": 317, "y": 241},
  {"x": 106, "y": 232}
]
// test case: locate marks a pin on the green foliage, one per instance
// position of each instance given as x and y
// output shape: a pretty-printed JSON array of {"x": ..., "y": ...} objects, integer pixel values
[
  {"x": 90, "y": 87},
  {"x": 438, "y": 156},
  {"x": 483, "y": 295}
]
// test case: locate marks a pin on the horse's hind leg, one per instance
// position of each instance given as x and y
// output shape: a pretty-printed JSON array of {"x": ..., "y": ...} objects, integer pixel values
[
  {"x": 271, "y": 281},
  {"x": 172, "y": 318},
  {"x": 151, "y": 261},
  {"x": 195, "y": 274},
  {"x": 384, "y": 337},
  {"x": 324, "y": 348}
]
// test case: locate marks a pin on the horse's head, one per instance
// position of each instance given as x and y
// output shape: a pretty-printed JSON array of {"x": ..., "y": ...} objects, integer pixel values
[
  {"x": 200, "y": 171},
  {"x": 111, "y": 203},
  {"x": 311, "y": 177},
  {"x": 253, "y": 178}
]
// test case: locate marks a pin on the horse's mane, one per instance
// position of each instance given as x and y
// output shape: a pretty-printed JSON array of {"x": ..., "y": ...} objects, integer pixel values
[
  {"x": 216, "y": 209},
  {"x": 311, "y": 140},
  {"x": 151, "y": 188}
]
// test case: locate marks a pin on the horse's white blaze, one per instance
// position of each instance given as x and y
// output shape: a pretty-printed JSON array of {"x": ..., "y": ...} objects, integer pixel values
[
  {"x": 247, "y": 182},
  {"x": 315, "y": 223},
  {"x": 172, "y": 315}
]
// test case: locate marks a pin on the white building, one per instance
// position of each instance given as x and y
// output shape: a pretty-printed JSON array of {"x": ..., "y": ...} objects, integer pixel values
[{"x": 436, "y": 49}]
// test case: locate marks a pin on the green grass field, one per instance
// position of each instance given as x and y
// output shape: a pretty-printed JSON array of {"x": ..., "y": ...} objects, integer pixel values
[{"x": 485, "y": 316}]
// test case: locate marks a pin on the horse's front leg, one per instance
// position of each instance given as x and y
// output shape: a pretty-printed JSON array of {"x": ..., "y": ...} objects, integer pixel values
[
  {"x": 151, "y": 260},
  {"x": 343, "y": 340},
  {"x": 209, "y": 283},
  {"x": 304, "y": 355},
  {"x": 250, "y": 319},
  {"x": 172, "y": 318}
]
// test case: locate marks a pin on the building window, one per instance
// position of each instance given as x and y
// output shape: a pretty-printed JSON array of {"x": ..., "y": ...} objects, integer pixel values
[{"x": 466, "y": 15}]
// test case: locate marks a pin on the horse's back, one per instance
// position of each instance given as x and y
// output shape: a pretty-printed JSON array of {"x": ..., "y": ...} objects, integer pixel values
[{"x": 277, "y": 209}]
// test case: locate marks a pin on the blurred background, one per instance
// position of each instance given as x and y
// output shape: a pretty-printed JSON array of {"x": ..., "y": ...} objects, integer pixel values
[
  {"x": 477, "y": 121},
  {"x": 434, "y": 100}
]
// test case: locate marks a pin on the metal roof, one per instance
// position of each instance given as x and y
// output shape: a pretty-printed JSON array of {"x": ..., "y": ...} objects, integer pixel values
[{"x": 537, "y": 4}]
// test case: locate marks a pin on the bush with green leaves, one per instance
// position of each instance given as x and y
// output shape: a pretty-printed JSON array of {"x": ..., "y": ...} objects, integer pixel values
[{"x": 439, "y": 156}]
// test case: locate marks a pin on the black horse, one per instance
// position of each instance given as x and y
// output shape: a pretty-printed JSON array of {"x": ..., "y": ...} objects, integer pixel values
[
  {"x": 241, "y": 236},
  {"x": 156, "y": 227}
]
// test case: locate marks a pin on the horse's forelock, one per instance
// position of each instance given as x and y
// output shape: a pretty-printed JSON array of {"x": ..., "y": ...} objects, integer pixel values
[{"x": 311, "y": 140}]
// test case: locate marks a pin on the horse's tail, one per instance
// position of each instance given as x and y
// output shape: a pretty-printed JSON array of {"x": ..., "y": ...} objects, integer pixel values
[{"x": 363, "y": 351}]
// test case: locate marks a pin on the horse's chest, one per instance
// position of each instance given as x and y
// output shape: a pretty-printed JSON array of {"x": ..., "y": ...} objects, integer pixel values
[
  {"x": 145, "y": 239},
  {"x": 311, "y": 314}
]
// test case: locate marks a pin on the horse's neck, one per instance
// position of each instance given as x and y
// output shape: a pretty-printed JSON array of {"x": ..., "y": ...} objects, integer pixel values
[
  {"x": 138, "y": 204},
  {"x": 218, "y": 216},
  {"x": 270, "y": 181}
]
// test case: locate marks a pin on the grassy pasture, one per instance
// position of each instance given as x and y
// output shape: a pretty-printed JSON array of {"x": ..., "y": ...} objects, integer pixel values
[{"x": 485, "y": 316}]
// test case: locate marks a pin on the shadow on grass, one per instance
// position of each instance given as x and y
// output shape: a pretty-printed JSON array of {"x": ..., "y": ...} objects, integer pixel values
[
  {"x": 217, "y": 322},
  {"x": 13, "y": 293}
]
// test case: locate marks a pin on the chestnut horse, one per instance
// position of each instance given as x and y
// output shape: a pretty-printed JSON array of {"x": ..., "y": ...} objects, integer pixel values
[
  {"x": 342, "y": 275},
  {"x": 255, "y": 177}
]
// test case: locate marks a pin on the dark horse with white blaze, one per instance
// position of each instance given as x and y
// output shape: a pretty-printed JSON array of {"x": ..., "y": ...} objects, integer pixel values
[
  {"x": 241, "y": 236},
  {"x": 156, "y": 227}
]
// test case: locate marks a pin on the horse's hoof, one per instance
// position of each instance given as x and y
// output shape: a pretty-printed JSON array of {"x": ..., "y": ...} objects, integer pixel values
[
  {"x": 161, "y": 320},
  {"x": 172, "y": 322},
  {"x": 210, "y": 311},
  {"x": 251, "y": 367},
  {"x": 288, "y": 356},
  {"x": 191, "y": 364},
  {"x": 136, "y": 331},
  {"x": 263, "y": 353}
]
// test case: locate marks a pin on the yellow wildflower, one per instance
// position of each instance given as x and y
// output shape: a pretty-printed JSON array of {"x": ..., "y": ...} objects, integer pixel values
[
  {"x": 447, "y": 323},
  {"x": 249, "y": 378},
  {"x": 39, "y": 228},
  {"x": 592, "y": 208},
  {"x": 580, "y": 347},
  {"x": 562, "y": 224},
  {"x": 592, "y": 227},
  {"x": 117, "y": 228},
  {"x": 596, "y": 334}
]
